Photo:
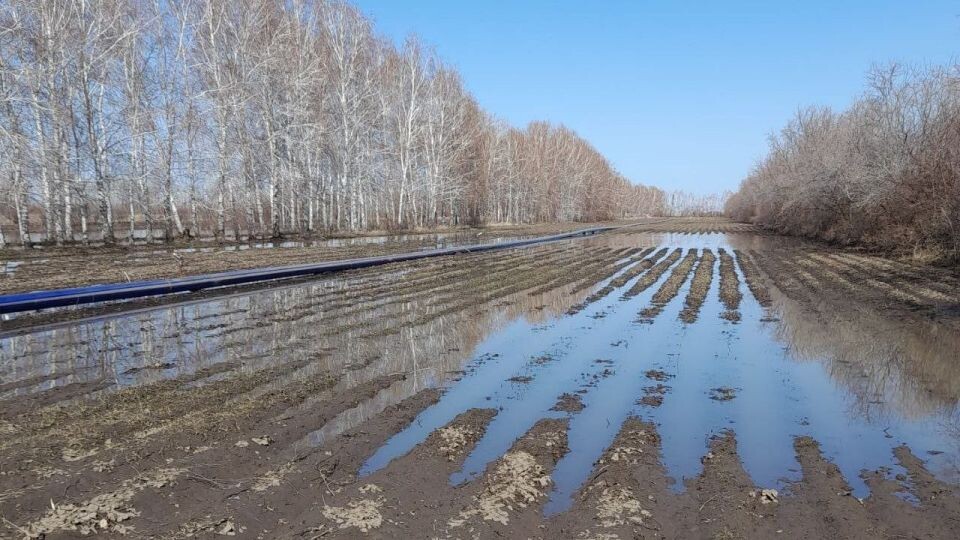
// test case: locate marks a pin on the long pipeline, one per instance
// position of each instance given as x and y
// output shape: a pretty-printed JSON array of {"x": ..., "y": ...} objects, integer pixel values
[{"x": 15, "y": 303}]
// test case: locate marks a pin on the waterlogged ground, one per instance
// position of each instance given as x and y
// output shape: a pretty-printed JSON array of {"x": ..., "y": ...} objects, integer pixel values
[
  {"x": 695, "y": 381},
  {"x": 77, "y": 265}
]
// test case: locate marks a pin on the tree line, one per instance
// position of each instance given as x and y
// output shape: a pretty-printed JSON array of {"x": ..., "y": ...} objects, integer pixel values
[
  {"x": 884, "y": 173},
  {"x": 182, "y": 118},
  {"x": 686, "y": 204}
]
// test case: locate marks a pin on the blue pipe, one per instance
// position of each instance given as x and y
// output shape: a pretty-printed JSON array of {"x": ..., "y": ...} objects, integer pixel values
[{"x": 14, "y": 303}]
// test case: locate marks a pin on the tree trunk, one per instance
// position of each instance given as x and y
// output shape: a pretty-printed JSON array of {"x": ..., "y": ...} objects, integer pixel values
[{"x": 23, "y": 216}]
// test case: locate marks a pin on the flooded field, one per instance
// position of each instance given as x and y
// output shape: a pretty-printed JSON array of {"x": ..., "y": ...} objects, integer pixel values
[
  {"x": 693, "y": 379},
  {"x": 77, "y": 265}
]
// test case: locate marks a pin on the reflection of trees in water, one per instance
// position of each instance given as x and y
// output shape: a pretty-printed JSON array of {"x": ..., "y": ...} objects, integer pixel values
[
  {"x": 889, "y": 365},
  {"x": 367, "y": 336}
]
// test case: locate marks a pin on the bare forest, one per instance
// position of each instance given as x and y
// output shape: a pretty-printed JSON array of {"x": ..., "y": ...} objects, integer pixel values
[
  {"x": 158, "y": 119},
  {"x": 885, "y": 173}
]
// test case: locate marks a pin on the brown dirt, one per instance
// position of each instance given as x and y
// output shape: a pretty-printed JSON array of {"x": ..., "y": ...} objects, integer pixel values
[
  {"x": 53, "y": 268},
  {"x": 699, "y": 287},
  {"x": 753, "y": 278},
  {"x": 653, "y": 395},
  {"x": 223, "y": 449},
  {"x": 622, "y": 279},
  {"x": 651, "y": 276},
  {"x": 571, "y": 403},
  {"x": 670, "y": 287},
  {"x": 699, "y": 225},
  {"x": 729, "y": 287},
  {"x": 629, "y": 496}
]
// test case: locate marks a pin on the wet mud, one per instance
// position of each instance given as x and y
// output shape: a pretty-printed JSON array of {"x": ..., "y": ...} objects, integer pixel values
[{"x": 667, "y": 381}]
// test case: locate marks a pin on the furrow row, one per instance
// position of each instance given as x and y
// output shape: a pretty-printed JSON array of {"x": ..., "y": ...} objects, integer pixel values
[
  {"x": 670, "y": 287},
  {"x": 699, "y": 287},
  {"x": 651, "y": 277},
  {"x": 729, "y": 287}
]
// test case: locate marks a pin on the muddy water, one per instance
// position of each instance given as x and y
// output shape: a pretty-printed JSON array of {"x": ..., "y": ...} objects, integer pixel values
[
  {"x": 336, "y": 324},
  {"x": 773, "y": 376},
  {"x": 859, "y": 383}
]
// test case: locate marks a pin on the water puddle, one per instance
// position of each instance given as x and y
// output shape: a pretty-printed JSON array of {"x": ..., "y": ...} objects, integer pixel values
[
  {"x": 857, "y": 382},
  {"x": 769, "y": 378},
  {"x": 362, "y": 325}
]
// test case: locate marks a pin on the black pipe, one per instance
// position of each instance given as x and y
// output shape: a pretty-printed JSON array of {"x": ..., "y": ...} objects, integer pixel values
[{"x": 15, "y": 303}]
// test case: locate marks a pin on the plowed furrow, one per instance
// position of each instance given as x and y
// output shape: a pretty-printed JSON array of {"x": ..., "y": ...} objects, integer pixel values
[
  {"x": 753, "y": 278},
  {"x": 651, "y": 276},
  {"x": 699, "y": 287},
  {"x": 670, "y": 287},
  {"x": 729, "y": 287},
  {"x": 620, "y": 280}
]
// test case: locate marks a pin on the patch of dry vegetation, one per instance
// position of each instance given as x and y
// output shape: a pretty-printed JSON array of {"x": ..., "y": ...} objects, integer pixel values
[
  {"x": 618, "y": 506},
  {"x": 455, "y": 440},
  {"x": 517, "y": 482},
  {"x": 106, "y": 512},
  {"x": 362, "y": 514}
]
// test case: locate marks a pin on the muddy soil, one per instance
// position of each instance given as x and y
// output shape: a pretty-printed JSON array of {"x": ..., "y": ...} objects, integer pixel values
[
  {"x": 74, "y": 266},
  {"x": 592, "y": 388}
]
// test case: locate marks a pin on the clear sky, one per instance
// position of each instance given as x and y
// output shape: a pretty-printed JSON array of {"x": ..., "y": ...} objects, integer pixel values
[{"x": 679, "y": 94}]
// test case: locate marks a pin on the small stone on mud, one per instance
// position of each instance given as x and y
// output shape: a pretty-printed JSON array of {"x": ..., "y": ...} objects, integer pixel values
[
  {"x": 766, "y": 496},
  {"x": 262, "y": 441},
  {"x": 228, "y": 529},
  {"x": 241, "y": 444}
]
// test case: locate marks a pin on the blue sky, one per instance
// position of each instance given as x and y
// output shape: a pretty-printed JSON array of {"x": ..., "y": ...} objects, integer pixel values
[{"x": 677, "y": 94}]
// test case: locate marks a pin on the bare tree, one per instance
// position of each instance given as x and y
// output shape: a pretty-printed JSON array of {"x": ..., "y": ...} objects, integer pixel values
[
  {"x": 885, "y": 172},
  {"x": 263, "y": 117}
]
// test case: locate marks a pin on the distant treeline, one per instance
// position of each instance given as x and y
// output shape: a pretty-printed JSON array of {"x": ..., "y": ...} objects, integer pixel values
[
  {"x": 885, "y": 173},
  {"x": 262, "y": 117},
  {"x": 684, "y": 203}
]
